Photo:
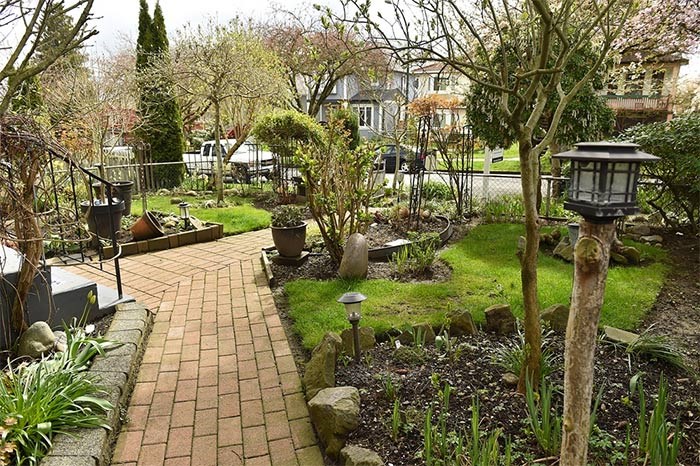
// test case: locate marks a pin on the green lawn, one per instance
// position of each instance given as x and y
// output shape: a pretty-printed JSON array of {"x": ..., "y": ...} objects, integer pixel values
[
  {"x": 485, "y": 272},
  {"x": 240, "y": 215},
  {"x": 510, "y": 161}
]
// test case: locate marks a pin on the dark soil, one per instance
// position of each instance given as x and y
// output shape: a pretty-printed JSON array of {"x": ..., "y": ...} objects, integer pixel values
[{"x": 675, "y": 314}]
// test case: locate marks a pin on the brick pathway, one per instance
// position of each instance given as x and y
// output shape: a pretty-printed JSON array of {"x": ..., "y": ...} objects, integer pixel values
[{"x": 218, "y": 384}]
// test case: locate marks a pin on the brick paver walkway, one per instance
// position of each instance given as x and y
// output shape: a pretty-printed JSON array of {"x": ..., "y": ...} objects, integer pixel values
[{"x": 218, "y": 384}]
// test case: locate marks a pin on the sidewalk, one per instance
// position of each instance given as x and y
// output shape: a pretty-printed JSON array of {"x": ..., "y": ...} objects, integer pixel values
[{"x": 218, "y": 383}]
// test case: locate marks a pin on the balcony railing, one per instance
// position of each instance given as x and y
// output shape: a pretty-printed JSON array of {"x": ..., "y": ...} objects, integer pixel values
[{"x": 639, "y": 103}]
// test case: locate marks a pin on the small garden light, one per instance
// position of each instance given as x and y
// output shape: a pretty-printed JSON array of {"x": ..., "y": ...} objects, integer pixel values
[
  {"x": 353, "y": 301},
  {"x": 604, "y": 178},
  {"x": 185, "y": 213}
]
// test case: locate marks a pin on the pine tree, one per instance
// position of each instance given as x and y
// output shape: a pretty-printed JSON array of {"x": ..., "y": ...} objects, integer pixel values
[{"x": 163, "y": 127}]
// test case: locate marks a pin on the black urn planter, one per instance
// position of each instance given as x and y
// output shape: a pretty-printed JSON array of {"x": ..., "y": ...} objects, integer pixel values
[
  {"x": 289, "y": 241},
  {"x": 122, "y": 190},
  {"x": 98, "y": 216}
]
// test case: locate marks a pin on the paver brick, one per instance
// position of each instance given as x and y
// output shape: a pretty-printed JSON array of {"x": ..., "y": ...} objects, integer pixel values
[
  {"x": 254, "y": 442},
  {"x": 204, "y": 451},
  {"x": 179, "y": 442}
]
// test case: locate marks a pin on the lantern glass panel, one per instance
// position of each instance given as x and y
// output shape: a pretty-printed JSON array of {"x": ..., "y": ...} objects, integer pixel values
[
  {"x": 621, "y": 175},
  {"x": 353, "y": 309}
]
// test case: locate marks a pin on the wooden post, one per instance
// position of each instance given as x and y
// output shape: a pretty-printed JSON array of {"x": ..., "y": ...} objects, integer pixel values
[{"x": 591, "y": 258}]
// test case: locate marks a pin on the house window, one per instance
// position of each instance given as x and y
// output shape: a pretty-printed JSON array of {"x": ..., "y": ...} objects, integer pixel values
[
  {"x": 334, "y": 89},
  {"x": 364, "y": 114},
  {"x": 657, "y": 82},
  {"x": 440, "y": 83},
  {"x": 634, "y": 84}
]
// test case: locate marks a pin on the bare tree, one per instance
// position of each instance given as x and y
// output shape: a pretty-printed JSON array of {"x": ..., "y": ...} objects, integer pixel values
[
  {"x": 317, "y": 53},
  {"x": 23, "y": 31},
  {"x": 221, "y": 65}
]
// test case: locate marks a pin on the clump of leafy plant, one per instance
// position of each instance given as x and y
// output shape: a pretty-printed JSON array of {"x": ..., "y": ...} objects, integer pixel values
[
  {"x": 503, "y": 209},
  {"x": 657, "y": 347},
  {"x": 435, "y": 190},
  {"x": 54, "y": 395},
  {"x": 419, "y": 256},
  {"x": 543, "y": 420},
  {"x": 287, "y": 216},
  {"x": 511, "y": 355}
]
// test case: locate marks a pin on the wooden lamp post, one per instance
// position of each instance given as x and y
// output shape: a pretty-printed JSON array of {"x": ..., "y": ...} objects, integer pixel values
[{"x": 603, "y": 187}]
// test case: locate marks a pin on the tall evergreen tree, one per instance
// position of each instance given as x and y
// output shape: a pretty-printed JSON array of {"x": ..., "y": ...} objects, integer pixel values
[{"x": 158, "y": 107}]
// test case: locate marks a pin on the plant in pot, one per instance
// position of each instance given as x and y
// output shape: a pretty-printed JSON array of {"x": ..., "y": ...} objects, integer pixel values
[{"x": 288, "y": 230}]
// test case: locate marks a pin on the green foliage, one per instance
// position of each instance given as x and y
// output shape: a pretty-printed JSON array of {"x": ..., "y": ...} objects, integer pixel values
[
  {"x": 287, "y": 216},
  {"x": 351, "y": 124},
  {"x": 542, "y": 417},
  {"x": 659, "y": 443},
  {"x": 391, "y": 388},
  {"x": 283, "y": 130},
  {"x": 657, "y": 347},
  {"x": 395, "y": 420},
  {"x": 162, "y": 128},
  {"x": 677, "y": 142},
  {"x": 419, "y": 256},
  {"x": 435, "y": 190},
  {"x": 503, "y": 209},
  {"x": 51, "y": 396},
  {"x": 511, "y": 354},
  {"x": 338, "y": 186}
]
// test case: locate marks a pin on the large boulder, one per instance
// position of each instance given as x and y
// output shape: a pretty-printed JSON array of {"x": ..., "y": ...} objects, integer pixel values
[
  {"x": 320, "y": 370},
  {"x": 37, "y": 339},
  {"x": 631, "y": 254},
  {"x": 367, "y": 340},
  {"x": 353, "y": 455},
  {"x": 557, "y": 316},
  {"x": 461, "y": 323},
  {"x": 640, "y": 230},
  {"x": 500, "y": 319},
  {"x": 355, "y": 259},
  {"x": 335, "y": 413}
]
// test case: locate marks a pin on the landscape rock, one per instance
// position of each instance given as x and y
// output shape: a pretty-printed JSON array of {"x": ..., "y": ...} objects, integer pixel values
[
  {"x": 652, "y": 239},
  {"x": 620, "y": 336},
  {"x": 353, "y": 455},
  {"x": 367, "y": 340},
  {"x": 354, "y": 263},
  {"x": 427, "y": 335},
  {"x": 557, "y": 316},
  {"x": 631, "y": 254},
  {"x": 175, "y": 200},
  {"x": 60, "y": 344},
  {"x": 618, "y": 258},
  {"x": 163, "y": 192},
  {"x": 461, "y": 323},
  {"x": 564, "y": 250},
  {"x": 37, "y": 339},
  {"x": 320, "y": 370},
  {"x": 510, "y": 379},
  {"x": 194, "y": 193},
  {"x": 335, "y": 413},
  {"x": 500, "y": 319},
  {"x": 640, "y": 230}
]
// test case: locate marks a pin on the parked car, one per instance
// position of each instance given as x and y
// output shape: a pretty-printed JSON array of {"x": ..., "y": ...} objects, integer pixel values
[
  {"x": 390, "y": 157},
  {"x": 249, "y": 161}
]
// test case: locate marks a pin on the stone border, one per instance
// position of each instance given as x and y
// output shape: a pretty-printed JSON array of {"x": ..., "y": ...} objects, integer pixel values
[
  {"x": 117, "y": 371},
  {"x": 211, "y": 232}
]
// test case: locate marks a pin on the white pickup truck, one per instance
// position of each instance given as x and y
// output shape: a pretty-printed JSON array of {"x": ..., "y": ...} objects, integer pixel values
[{"x": 248, "y": 162}]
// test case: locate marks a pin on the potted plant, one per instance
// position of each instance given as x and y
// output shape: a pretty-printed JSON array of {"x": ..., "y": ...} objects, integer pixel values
[{"x": 288, "y": 230}]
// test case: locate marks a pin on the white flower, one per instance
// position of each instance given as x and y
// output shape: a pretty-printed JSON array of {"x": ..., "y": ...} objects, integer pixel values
[{"x": 89, "y": 329}]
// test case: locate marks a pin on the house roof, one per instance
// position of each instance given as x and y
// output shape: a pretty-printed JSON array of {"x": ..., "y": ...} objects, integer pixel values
[
  {"x": 376, "y": 95},
  {"x": 647, "y": 58}
]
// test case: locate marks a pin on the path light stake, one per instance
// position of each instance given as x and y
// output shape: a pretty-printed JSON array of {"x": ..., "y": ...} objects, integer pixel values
[
  {"x": 185, "y": 213},
  {"x": 603, "y": 187},
  {"x": 353, "y": 301}
]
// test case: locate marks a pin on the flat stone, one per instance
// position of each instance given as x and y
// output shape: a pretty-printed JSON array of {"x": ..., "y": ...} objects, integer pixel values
[
  {"x": 367, "y": 340},
  {"x": 652, "y": 239},
  {"x": 618, "y": 258},
  {"x": 353, "y": 455},
  {"x": 631, "y": 254},
  {"x": 620, "y": 336},
  {"x": 125, "y": 336},
  {"x": 56, "y": 460},
  {"x": 293, "y": 261},
  {"x": 557, "y": 316},
  {"x": 640, "y": 230},
  {"x": 83, "y": 442},
  {"x": 564, "y": 250}
]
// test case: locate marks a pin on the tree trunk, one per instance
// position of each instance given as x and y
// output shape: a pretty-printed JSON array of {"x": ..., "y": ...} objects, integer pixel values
[
  {"x": 556, "y": 169},
  {"x": 528, "y": 266},
  {"x": 219, "y": 157},
  {"x": 591, "y": 258}
]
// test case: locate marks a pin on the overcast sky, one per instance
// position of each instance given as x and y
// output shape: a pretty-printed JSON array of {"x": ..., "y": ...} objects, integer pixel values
[{"x": 118, "y": 19}]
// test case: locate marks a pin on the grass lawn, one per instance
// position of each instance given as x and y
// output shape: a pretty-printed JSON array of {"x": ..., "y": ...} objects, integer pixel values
[
  {"x": 240, "y": 216},
  {"x": 485, "y": 272},
  {"x": 510, "y": 161}
]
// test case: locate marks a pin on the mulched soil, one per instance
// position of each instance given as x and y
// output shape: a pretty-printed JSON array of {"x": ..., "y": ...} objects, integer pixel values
[{"x": 675, "y": 314}]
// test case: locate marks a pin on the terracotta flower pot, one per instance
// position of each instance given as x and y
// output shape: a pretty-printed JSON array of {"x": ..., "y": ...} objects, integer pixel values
[
  {"x": 289, "y": 241},
  {"x": 146, "y": 227}
]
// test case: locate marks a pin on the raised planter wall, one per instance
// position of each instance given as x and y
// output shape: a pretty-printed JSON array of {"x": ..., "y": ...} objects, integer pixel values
[
  {"x": 384, "y": 253},
  {"x": 211, "y": 232}
]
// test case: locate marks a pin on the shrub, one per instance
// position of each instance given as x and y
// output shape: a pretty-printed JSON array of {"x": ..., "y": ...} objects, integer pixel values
[
  {"x": 508, "y": 209},
  {"x": 337, "y": 186},
  {"x": 419, "y": 256},
  {"x": 282, "y": 130},
  {"x": 435, "y": 190},
  {"x": 287, "y": 216}
]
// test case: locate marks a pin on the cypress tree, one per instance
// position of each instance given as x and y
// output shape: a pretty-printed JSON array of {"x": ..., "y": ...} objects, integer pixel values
[{"x": 163, "y": 128}]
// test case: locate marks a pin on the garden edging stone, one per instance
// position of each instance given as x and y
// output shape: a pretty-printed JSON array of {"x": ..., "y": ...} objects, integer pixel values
[{"x": 117, "y": 371}]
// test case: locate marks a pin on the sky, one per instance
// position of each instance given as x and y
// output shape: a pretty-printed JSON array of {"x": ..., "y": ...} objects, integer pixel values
[{"x": 118, "y": 19}]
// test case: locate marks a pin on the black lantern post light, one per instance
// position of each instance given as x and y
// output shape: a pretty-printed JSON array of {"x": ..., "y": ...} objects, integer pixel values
[
  {"x": 603, "y": 187},
  {"x": 185, "y": 213},
  {"x": 353, "y": 302}
]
